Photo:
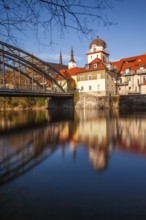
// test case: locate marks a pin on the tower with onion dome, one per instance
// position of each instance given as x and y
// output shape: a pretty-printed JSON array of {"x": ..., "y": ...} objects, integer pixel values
[{"x": 97, "y": 50}]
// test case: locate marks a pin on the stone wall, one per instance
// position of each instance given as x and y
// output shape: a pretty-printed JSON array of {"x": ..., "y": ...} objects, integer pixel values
[
  {"x": 132, "y": 102},
  {"x": 92, "y": 101},
  {"x": 60, "y": 103}
]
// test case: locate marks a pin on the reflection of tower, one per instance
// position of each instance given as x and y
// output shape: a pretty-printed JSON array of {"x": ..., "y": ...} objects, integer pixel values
[
  {"x": 99, "y": 158},
  {"x": 72, "y": 62}
]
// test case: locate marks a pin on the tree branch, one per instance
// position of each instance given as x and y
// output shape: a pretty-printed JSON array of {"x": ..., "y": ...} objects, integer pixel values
[{"x": 62, "y": 14}]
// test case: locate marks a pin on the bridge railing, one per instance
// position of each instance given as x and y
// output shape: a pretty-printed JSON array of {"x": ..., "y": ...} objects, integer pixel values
[{"x": 36, "y": 93}]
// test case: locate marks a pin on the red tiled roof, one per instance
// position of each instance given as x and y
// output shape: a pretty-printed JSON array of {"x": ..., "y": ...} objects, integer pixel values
[
  {"x": 133, "y": 63},
  {"x": 100, "y": 66},
  {"x": 72, "y": 71}
]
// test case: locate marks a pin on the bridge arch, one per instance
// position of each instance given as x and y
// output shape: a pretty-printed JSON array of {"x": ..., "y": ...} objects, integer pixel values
[{"x": 22, "y": 70}]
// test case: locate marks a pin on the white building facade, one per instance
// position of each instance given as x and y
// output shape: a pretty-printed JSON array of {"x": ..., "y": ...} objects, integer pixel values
[
  {"x": 96, "y": 76},
  {"x": 132, "y": 75}
]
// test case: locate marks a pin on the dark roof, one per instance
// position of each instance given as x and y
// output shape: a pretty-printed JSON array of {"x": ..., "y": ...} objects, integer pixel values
[{"x": 58, "y": 66}]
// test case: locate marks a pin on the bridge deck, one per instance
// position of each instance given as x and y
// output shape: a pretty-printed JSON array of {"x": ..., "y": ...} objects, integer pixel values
[{"x": 27, "y": 93}]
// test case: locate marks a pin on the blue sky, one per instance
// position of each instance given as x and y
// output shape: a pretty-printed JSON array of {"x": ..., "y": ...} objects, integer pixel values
[{"x": 126, "y": 38}]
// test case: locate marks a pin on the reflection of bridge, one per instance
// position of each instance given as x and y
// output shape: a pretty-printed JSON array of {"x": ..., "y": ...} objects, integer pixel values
[
  {"x": 22, "y": 74},
  {"x": 21, "y": 152}
]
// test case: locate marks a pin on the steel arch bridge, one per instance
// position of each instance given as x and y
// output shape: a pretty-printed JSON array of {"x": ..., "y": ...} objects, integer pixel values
[{"x": 23, "y": 74}]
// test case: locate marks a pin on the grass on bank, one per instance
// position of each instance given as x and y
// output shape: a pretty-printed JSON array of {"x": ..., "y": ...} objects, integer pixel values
[{"x": 22, "y": 102}]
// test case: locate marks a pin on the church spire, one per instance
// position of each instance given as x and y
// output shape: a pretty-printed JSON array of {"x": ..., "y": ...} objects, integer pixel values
[
  {"x": 60, "y": 58},
  {"x": 72, "y": 56},
  {"x": 72, "y": 62}
]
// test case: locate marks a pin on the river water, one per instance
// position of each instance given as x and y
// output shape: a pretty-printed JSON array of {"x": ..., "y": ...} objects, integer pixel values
[{"x": 70, "y": 165}]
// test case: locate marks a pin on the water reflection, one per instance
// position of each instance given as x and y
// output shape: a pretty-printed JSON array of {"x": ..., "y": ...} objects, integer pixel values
[
  {"x": 42, "y": 132},
  {"x": 104, "y": 131},
  {"x": 22, "y": 149},
  {"x": 16, "y": 119},
  {"x": 64, "y": 148}
]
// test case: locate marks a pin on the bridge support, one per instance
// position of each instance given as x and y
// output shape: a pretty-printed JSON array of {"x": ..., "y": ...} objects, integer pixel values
[{"x": 60, "y": 103}]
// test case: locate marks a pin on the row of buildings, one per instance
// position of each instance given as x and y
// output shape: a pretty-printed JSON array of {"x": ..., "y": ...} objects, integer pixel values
[{"x": 103, "y": 77}]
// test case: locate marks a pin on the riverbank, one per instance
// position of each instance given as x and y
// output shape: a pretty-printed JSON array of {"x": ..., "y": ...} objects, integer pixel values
[
  {"x": 81, "y": 101},
  {"x": 19, "y": 103}
]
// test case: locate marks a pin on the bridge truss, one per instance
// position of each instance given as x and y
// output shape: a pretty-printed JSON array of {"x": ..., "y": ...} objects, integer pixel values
[{"x": 22, "y": 73}]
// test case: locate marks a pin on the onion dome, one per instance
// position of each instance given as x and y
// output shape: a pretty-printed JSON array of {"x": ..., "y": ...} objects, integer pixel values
[{"x": 98, "y": 42}]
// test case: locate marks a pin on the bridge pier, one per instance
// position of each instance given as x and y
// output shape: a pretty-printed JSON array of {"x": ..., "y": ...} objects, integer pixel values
[{"x": 61, "y": 102}]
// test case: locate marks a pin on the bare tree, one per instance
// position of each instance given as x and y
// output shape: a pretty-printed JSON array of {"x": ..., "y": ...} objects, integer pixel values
[{"x": 21, "y": 15}]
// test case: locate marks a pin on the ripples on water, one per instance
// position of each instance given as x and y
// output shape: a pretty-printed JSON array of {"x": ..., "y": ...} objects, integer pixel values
[{"x": 72, "y": 165}]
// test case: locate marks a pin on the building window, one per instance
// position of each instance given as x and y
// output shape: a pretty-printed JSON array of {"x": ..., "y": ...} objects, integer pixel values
[
  {"x": 144, "y": 79},
  {"x": 138, "y": 81},
  {"x": 129, "y": 88},
  {"x": 81, "y": 78},
  {"x": 90, "y": 87},
  {"x": 141, "y": 67},
  {"x": 95, "y": 65},
  {"x": 87, "y": 66},
  {"x": 127, "y": 70},
  {"x": 129, "y": 78},
  {"x": 98, "y": 87},
  {"x": 82, "y": 88},
  {"x": 98, "y": 76},
  {"x": 107, "y": 76},
  {"x": 89, "y": 77}
]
